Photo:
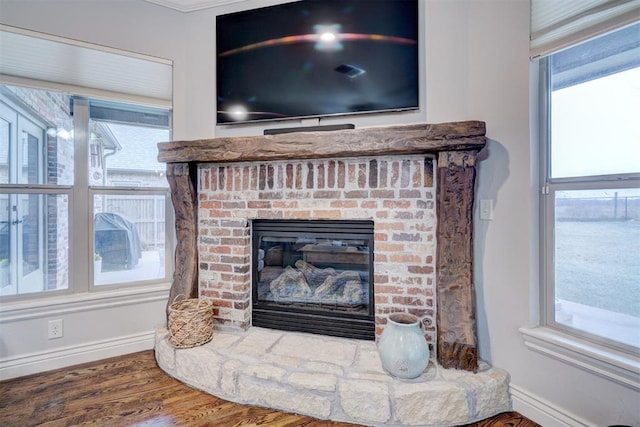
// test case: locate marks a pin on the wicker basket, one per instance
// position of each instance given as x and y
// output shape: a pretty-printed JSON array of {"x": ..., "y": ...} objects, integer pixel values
[{"x": 190, "y": 322}]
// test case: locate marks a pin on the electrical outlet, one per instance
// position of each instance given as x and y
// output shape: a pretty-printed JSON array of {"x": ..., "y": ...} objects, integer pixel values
[{"x": 55, "y": 329}]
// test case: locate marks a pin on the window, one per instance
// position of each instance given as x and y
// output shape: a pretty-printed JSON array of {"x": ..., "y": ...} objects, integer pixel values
[
  {"x": 69, "y": 220},
  {"x": 591, "y": 189},
  {"x": 129, "y": 197}
]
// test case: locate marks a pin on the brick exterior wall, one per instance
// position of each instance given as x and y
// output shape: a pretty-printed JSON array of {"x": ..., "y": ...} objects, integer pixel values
[
  {"x": 396, "y": 192},
  {"x": 53, "y": 108}
]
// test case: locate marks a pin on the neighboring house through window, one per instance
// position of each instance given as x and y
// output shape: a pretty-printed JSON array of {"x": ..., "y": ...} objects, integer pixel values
[
  {"x": 22, "y": 226},
  {"x": 43, "y": 181}
]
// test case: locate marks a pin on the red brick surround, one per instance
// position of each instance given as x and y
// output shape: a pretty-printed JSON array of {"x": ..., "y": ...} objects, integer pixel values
[{"x": 396, "y": 192}]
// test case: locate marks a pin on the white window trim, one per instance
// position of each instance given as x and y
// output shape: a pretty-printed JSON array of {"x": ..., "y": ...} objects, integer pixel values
[
  {"x": 596, "y": 359},
  {"x": 60, "y": 304}
]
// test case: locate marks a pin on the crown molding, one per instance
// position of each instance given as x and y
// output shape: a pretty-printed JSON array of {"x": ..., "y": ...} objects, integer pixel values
[{"x": 192, "y": 5}]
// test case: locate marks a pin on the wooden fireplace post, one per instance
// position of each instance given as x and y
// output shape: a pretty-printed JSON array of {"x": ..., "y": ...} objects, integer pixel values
[
  {"x": 181, "y": 178},
  {"x": 456, "y": 332}
]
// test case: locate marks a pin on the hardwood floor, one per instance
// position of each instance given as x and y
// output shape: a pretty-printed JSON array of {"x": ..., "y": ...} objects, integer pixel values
[{"x": 132, "y": 391}]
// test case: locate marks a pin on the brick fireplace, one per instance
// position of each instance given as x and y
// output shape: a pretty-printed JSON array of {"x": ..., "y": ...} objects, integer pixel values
[{"x": 415, "y": 182}]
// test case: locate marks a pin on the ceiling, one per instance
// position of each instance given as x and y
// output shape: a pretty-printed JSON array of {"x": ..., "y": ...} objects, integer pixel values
[
  {"x": 79, "y": 65},
  {"x": 192, "y": 5}
]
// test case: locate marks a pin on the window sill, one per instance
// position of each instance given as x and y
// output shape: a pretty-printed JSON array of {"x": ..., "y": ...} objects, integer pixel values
[
  {"x": 72, "y": 303},
  {"x": 610, "y": 364}
]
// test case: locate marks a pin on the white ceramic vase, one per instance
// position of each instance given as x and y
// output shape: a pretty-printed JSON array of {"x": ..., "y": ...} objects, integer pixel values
[{"x": 403, "y": 349}]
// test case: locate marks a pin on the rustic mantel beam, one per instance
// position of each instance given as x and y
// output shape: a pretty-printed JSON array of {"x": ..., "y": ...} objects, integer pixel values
[{"x": 409, "y": 139}]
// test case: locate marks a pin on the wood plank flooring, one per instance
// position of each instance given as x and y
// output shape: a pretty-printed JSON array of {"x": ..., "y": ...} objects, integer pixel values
[{"x": 132, "y": 391}]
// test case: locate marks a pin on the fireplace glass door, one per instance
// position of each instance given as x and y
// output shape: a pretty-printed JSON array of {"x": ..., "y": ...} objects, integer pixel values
[{"x": 314, "y": 276}]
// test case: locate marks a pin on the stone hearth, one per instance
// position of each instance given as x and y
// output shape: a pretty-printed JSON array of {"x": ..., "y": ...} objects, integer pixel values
[
  {"x": 332, "y": 379},
  {"x": 393, "y": 176}
]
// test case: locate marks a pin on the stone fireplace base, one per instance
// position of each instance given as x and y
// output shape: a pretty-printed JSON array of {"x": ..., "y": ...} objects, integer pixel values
[{"x": 332, "y": 378}]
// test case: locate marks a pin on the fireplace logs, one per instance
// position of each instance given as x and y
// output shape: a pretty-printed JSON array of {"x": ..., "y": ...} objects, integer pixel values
[{"x": 322, "y": 273}]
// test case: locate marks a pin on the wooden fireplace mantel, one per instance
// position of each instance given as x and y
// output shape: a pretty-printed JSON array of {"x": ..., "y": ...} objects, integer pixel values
[
  {"x": 408, "y": 139},
  {"x": 455, "y": 146}
]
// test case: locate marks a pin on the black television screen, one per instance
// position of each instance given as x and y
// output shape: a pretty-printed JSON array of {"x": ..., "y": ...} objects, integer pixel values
[{"x": 315, "y": 58}]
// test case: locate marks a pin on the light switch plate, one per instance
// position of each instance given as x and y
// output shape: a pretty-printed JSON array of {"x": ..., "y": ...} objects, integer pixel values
[{"x": 486, "y": 209}]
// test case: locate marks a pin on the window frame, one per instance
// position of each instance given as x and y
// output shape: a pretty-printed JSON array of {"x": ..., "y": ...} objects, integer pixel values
[
  {"x": 81, "y": 279},
  {"x": 549, "y": 187},
  {"x": 549, "y": 242},
  {"x": 128, "y": 191}
]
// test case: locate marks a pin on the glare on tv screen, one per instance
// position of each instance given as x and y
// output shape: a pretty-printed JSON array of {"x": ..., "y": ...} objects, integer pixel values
[{"x": 315, "y": 58}]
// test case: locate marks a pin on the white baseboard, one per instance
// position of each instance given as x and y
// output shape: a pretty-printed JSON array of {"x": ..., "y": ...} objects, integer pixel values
[
  {"x": 542, "y": 411},
  {"x": 34, "y": 363}
]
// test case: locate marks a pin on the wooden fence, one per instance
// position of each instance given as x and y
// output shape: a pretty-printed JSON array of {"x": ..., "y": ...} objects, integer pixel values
[
  {"x": 146, "y": 212},
  {"x": 598, "y": 209}
]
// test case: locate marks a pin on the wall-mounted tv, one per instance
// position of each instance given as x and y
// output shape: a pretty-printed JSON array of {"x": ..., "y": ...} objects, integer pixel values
[{"x": 317, "y": 58}]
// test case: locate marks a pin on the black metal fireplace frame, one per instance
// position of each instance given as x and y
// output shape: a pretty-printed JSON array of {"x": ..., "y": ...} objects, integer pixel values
[{"x": 309, "y": 319}]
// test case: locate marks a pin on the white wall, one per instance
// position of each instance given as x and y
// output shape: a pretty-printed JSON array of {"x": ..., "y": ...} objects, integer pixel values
[{"x": 477, "y": 67}]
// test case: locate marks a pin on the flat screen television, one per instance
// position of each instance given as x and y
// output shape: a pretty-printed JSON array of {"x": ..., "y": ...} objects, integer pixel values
[{"x": 317, "y": 58}]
